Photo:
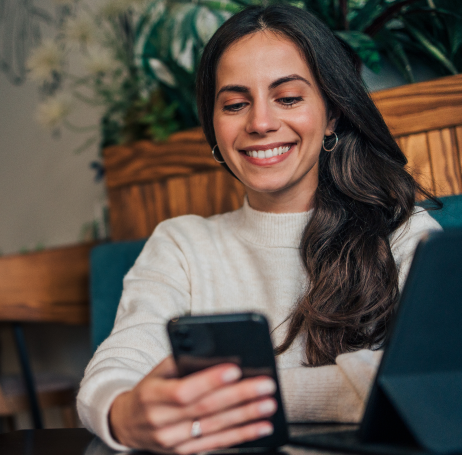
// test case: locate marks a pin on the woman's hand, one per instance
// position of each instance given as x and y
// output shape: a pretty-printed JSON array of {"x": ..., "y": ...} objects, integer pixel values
[{"x": 158, "y": 414}]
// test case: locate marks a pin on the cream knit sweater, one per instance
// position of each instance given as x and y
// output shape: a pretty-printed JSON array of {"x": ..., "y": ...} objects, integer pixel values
[{"x": 240, "y": 261}]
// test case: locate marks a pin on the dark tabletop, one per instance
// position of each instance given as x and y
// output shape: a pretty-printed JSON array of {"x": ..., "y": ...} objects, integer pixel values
[{"x": 78, "y": 441}]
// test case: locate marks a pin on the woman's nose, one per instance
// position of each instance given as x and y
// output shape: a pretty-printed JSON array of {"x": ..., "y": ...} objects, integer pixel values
[{"x": 262, "y": 119}]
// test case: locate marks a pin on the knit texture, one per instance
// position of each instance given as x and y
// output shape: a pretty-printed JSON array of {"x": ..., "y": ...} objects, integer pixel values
[{"x": 239, "y": 261}]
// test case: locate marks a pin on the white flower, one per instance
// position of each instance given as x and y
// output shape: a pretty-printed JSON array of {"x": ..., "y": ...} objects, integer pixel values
[
  {"x": 54, "y": 110},
  {"x": 100, "y": 60},
  {"x": 161, "y": 72},
  {"x": 80, "y": 29},
  {"x": 44, "y": 60}
]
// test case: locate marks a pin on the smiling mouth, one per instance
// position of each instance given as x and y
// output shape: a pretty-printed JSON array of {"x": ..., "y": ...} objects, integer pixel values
[{"x": 269, "y": 153}]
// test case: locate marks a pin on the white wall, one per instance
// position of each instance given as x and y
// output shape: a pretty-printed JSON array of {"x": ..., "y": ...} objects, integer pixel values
[{"x": 47, "y": 193}]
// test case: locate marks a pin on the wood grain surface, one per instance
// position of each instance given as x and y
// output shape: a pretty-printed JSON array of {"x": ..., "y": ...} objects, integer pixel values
[
  {"x": 145, "y": 161},
  {"x": 136, "y": 210},
  {"x": 424, "y": 106},
  {"x": 46, "y": 286},
  {"x": 150, "y": 182}
]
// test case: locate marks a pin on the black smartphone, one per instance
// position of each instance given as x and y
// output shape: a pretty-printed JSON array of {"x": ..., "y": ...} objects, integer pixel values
[{"x": 200, "y": 342}]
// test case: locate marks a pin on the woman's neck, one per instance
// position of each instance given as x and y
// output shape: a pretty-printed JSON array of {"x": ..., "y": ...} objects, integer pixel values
[{"x": 281, "y": 201}]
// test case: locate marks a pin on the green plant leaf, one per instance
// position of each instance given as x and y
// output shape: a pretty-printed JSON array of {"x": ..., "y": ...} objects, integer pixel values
[
  {"x": 432, "y": 49},
  {"x": 363, "y": 17},
  {"x": 364, "y": 46},
  {"x": 221, "y": 6},
  {"x": 396, "y": 53},
  {"x": 323, "y": 9}
]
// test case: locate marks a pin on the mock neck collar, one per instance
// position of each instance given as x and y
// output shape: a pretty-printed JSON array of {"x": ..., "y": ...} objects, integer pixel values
[{"x": 272, "y": 229}]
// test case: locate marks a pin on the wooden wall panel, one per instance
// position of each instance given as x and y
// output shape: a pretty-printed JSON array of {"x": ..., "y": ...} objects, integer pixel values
[{"x": 445, "y": 162}]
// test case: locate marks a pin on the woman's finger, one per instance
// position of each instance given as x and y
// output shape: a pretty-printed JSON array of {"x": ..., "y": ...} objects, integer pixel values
[
  {"x": 231, "y": 396},
  {"x": 238, "y": 416},
  {"x": 227, "y": 438},
  {"x": 165, "y": 369},
  {"x": 216, "y": 401},
  {"x": 174, "y": 435},
  {"x": 189, "y": 389}
]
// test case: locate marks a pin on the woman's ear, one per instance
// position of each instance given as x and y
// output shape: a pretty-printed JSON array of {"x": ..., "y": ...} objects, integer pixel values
[{"x": 334, "y": 115}]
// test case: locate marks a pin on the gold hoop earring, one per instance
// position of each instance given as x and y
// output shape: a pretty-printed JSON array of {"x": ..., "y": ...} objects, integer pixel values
[
  {"x": 335, "y": 145},
  {"x": 214, "y": 156}
]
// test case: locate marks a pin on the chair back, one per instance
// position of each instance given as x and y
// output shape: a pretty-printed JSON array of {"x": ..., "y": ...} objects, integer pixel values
[{"x": 109, "y": 263}]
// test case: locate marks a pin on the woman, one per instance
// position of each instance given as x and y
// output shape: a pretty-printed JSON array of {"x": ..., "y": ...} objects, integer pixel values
[{"x": 323, "y": 242}]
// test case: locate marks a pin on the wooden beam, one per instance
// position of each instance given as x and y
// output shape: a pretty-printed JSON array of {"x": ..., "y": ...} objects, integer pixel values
[{"x": 46, "y": 286}]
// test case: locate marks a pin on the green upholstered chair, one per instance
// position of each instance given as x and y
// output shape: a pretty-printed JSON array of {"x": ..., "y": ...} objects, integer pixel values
[
  {"x": 109, "y": 263},
  {"x": 451, "y": 214}
]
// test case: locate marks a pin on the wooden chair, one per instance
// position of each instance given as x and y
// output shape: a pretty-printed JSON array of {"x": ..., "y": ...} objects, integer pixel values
[
  {"x": 48, "y": 286},
  {"x": 148, "y": 183}
]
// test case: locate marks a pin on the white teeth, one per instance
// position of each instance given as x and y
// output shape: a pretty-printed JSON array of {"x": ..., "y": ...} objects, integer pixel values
[{"x": 268, "y": 153}]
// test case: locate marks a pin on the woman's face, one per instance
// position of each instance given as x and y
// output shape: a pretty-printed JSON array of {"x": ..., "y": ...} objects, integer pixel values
[{"x": 270, "y": 119}]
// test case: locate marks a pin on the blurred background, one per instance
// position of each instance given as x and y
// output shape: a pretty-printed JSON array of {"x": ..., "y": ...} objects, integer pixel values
[{"x": 77, "y": 76}]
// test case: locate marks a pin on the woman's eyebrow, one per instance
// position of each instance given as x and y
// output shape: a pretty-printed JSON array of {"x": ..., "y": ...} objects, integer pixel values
[
  {"x": 283, "y": 80},
  {"x": 233, "y": 88},
  {"x": 276, "y": 83}
]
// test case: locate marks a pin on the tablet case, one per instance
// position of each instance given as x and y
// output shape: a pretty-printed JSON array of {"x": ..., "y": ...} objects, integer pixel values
[{"x": 417, "y": 396}]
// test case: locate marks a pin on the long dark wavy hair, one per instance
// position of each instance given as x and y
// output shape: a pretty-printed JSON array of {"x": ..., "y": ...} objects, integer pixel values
[{"x": 364, "y": 192}]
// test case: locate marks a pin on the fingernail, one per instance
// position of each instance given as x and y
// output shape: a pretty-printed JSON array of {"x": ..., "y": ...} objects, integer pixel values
[
  {"x": 266, "y": 430},
  {"x": 266, "y": 387},
  {"x": 231, "y": 374},
  {"x": 267, "y": 407}
]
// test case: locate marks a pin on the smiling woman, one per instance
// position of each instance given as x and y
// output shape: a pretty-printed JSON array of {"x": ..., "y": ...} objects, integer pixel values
[
  {"x": 321, "y": 246},
  {"x": 270, "y": 122}
]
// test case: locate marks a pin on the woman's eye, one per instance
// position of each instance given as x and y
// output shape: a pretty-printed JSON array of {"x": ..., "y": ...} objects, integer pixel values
[
  {"x": 234, "y": 107},
  {"x": 290, "y": 100}
]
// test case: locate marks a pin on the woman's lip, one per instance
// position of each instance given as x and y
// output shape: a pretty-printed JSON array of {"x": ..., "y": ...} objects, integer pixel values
[
  {"x": 266, "y": 146},
  {"x": 269, "y": 161}
]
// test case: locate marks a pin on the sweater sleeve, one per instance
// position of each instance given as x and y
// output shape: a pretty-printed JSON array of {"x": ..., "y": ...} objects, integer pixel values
[
  {"x": 333, "y": 393},
  {"x": 156, "y": 289},
  {"x": 404, "y": 240}
]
